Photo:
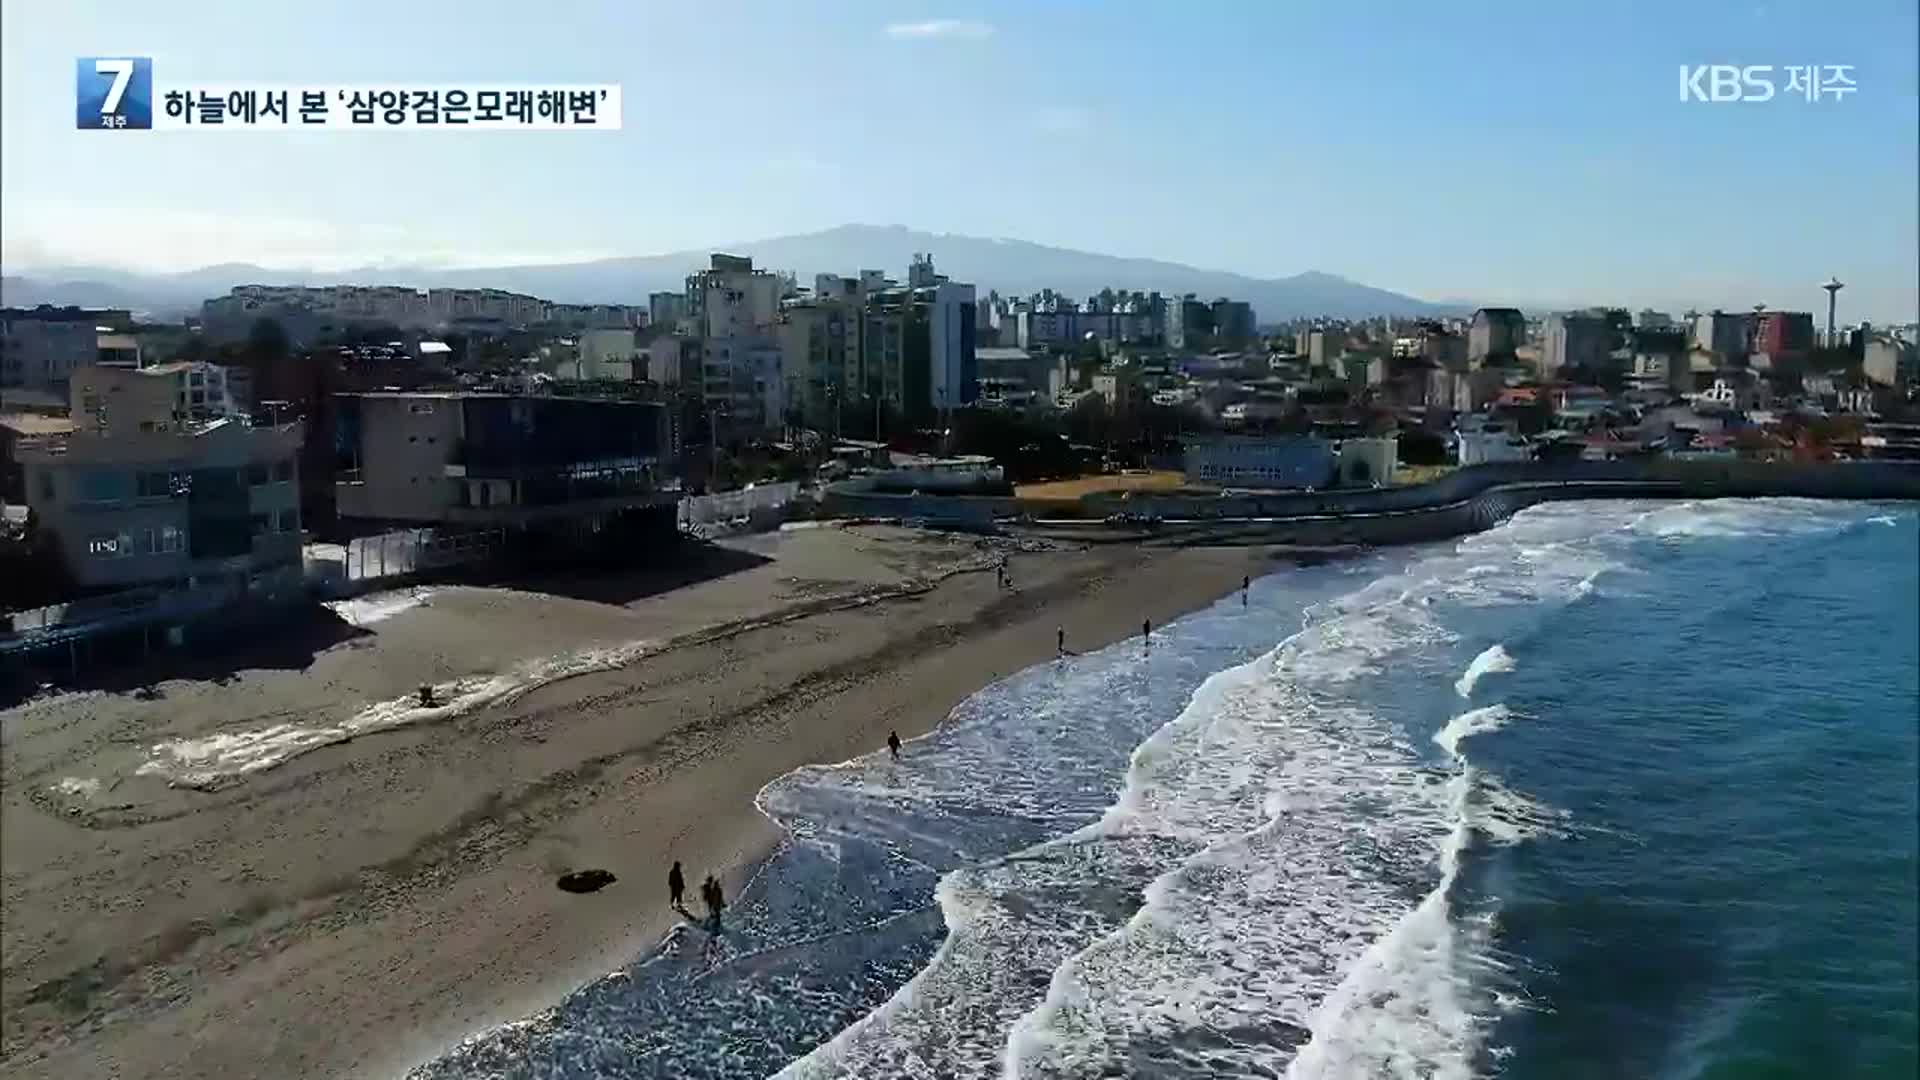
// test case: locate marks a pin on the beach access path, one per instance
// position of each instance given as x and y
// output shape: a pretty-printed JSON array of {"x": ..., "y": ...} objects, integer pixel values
[{"x": 382, "y": 881}]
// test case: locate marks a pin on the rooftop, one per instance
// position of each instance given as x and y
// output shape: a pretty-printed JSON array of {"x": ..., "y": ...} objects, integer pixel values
[{"x": 30, "y": 424}]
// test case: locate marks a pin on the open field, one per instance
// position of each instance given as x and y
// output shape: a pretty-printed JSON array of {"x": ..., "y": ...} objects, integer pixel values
[{"x": 1157, "y": 480}]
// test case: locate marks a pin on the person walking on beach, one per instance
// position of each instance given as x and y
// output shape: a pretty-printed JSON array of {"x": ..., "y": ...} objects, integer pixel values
[
  {"x": 893, "y": 744},
  {"x": 1245, "y": 584},
  {"x": 1060, "y": 640},
  {"x": 677, "y": 887},
  {"x": 716, "y": 900},
  {"x": 1146, "y": 632}
]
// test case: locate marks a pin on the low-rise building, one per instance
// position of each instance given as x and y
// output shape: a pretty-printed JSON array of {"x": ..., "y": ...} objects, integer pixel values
[
  {"x": 1253, "y": 461},
  {"x": 496, "y": 459},
  {"x": 1487, "y": 442},
  {"x": 1364, "y": 462},
  {"x": 606, "y": 354},
  {"x": 136, "y": 495}
]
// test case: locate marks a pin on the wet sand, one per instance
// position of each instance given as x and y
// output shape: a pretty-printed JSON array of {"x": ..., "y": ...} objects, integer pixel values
[{"x": 353, "y": 907}]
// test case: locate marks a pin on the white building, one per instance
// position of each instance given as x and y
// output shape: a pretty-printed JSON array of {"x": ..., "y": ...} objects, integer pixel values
[
  {"x": 953, "y": 382},
  {"x": 201, "y": 391},
  {"x": 606, "y": 354},
  {"x": 735, "y": 309},
  {"x": 1880, "y": 361},
  {"x": 1490, "y": 442}
]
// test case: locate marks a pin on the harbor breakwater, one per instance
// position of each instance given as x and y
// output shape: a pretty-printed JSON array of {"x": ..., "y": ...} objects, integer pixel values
[{"x": 1465, "y": 501}]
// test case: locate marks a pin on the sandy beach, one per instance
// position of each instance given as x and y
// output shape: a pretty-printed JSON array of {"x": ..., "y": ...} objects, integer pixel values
[{"x": 292, "y": 869}]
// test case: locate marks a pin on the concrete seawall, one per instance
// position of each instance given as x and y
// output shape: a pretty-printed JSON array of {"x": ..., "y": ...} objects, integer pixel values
[{"x": 1466, "y": 501}]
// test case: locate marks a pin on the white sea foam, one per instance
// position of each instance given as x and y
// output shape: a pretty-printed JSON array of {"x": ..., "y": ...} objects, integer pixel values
[
  {"x": 1492, "y": 659},
  {"x": 378, "y": 607},
  {"x": 1740, "y": 517},
  {"x": 1294, "y": 833},
  {"x": 78, "y": 787},
  {"x": 1473, "y": 722},
  {"x": 209, "y": 761}
]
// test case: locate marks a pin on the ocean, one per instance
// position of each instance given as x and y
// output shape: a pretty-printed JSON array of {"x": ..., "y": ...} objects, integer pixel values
[{"x": 1614, "y": 789}]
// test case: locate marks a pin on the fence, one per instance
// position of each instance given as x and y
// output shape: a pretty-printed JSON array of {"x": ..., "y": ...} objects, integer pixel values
[
  {"x": 133, "y": 608},
  {"x": 409, "y": 551},
  {"x": 733, "y": 505}
]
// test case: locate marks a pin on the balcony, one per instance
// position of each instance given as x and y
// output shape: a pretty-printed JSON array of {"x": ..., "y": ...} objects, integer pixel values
[{"x": 512, "y": 494}]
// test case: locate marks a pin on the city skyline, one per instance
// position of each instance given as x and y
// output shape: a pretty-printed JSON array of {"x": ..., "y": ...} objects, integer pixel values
[{"x": 1366, "y": 143}]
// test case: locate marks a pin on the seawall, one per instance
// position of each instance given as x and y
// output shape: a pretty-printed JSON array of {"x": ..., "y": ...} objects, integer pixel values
[{"x": 1462, "y": 502}]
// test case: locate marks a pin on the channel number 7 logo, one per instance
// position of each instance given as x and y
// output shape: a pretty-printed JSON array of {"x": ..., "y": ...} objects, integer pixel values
[{"x": 113, "y": 93}]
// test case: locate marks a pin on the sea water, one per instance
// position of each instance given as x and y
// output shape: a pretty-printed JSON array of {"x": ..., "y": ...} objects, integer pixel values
[{"x": 1614, "y": 789}]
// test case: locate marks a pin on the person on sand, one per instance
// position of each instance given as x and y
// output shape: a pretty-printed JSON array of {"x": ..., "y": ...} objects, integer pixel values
[
  {"x": 1146, "y": 632},
  {"x": 716, "y": 900},
  {"x": 426, "y": 695},
  {"x": 677, "y": 887},
  {"x": 1245, "y": 584},
  {"x": 893, "y": 744},
  {"x": 1060, "y": 640}
]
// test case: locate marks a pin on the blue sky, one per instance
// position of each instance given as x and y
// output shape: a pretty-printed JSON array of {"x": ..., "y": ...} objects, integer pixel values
[{"x": 1525, "y": 151}]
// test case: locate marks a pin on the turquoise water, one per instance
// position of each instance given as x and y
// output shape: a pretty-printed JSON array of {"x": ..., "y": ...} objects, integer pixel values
[{"x": 1612, "y": 790}]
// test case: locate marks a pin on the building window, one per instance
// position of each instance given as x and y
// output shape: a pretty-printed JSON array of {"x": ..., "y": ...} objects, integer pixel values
[
  {"x": 155, "y": 485},
  {"x": 256, "y": 475},
  {"x": 282, "y": 471},
  {"x": 105, "y": 485},
  {"x": 46, "y": 485},
  {"x": 172, "y": 538},
  {"x": 289, "y": 521},
  {"x": 262, "y": 524}
]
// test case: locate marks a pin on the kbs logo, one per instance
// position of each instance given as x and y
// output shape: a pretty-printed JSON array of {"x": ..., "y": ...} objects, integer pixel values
[
  {"x": 1755, "y": 82},
  {"x": 113, "y": 92},
  {"x": 1725, "y": 82}
]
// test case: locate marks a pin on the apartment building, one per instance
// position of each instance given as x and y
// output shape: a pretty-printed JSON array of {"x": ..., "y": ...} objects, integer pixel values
[
  {"x": 734, "y": 309},
  {"x": 139, "y": 494},
  {"x": 41, "y": 347}
]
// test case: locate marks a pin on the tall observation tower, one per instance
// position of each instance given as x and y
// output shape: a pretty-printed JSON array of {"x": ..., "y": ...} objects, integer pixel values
[{"x": 1833, "y": 287}]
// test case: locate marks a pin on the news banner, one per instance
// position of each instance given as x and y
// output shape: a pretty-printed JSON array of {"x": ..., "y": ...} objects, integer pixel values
[{"x": 121, "y": 94}]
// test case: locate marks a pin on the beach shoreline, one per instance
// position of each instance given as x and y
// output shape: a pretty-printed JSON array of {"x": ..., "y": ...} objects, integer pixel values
[{"x": 369, "y": 903}]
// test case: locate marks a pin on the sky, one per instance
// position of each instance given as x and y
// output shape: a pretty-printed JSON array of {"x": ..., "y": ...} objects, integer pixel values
[{"x": 1494, "y": 151}]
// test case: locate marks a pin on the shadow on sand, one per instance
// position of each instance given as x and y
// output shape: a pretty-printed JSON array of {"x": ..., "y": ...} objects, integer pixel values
[
  {"x": 668, "y": 567},
  {"x": 280, "y": 638}
]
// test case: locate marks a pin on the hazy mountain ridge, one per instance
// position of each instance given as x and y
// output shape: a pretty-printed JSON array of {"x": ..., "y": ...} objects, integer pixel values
[{"x": 1013, "y": 267}]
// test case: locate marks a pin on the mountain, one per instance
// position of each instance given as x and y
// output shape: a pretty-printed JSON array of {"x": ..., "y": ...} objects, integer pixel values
[{"x": 1013, "y": 267}]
